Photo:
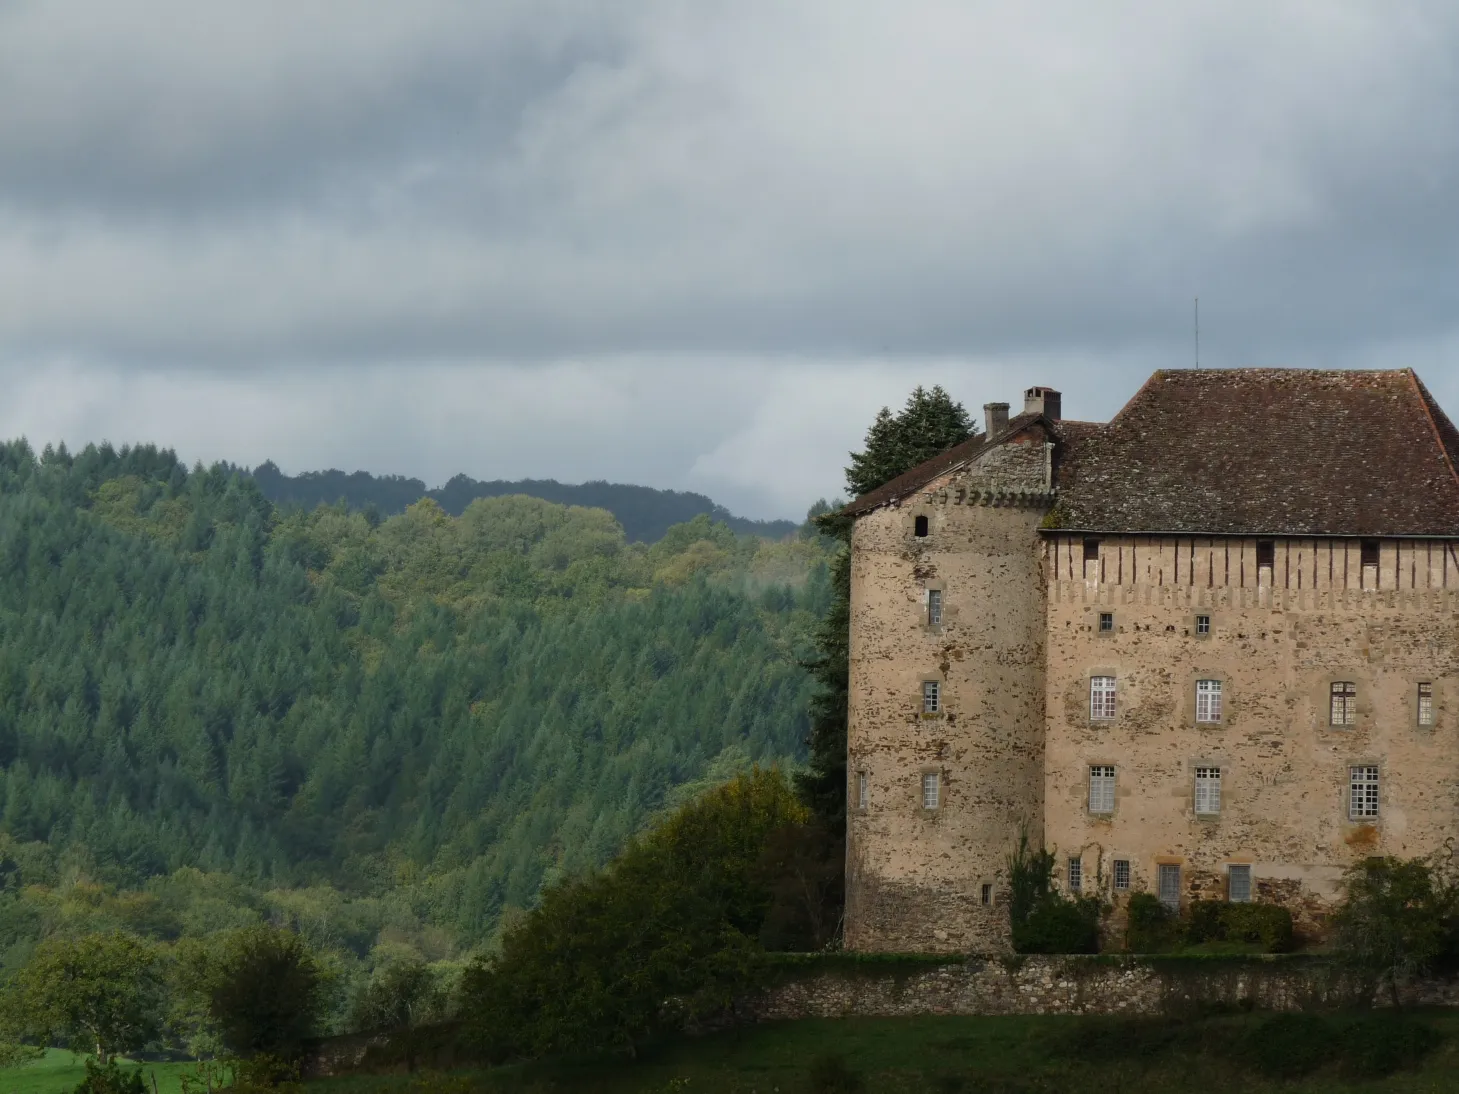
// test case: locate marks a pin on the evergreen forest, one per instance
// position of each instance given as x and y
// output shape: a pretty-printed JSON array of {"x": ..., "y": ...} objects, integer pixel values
[
  {"x": 377, "y": 731},
  {"x": 645, "y": 513}
]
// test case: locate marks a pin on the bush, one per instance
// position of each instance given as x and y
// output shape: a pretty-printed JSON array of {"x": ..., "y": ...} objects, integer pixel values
[
  {"x": 1366, "y": 1046},
  {"x": 1267, "y": 925},
  {"x": 1149, "y": 925},
  {"x": 1377, "y": 1045},
  {"x": 667, "y": 934},
  {"x": 1060, "y": 926},
  {"x": 110, "y": 1079}
]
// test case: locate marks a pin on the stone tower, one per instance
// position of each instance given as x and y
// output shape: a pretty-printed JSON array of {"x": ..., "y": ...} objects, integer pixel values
[{"x": 946, "y": 713}]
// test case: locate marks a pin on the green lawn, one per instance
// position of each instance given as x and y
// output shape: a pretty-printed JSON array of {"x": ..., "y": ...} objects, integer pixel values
[
  {"x": 1016, "y": 1055},
  {"x": 60, "y": 1071}
]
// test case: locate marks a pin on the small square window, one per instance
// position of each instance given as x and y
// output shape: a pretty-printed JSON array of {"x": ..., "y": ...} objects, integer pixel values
[
  {"x": 1426, "y": 704},
  {"x": 1106, "y": 622},
  {"x": 1101, "y": 698},
  {"x": 1102, "y": 788},
  {"x": 1208, "y": 791},
  {"x": 1203, "y": 624},
  {"x": 1238, "y": 883},
  {"x": 1122, "y": 874},
  {"x": 931, "y": 789},
  {"x": 1091, "y": 550},
  {"x": 987, "y": 893},
  {"x": 1076, "y": 874},
  {"x": 1363, "y": 792},
  {"x": 1266, "y": 553},
  {"x": 934, "y": 607},
  {"x": 1344, "y": 707},
  {"x": 1208, "y": 701},
  {"x": 863, "y": 790},
  {"x": 931, "y": 696},
  {"x": 1169, "y": 886},
  {"x": 919, "y": 527}
]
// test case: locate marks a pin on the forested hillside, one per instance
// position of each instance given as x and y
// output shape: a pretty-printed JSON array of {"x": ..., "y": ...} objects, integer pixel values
[
  {"x": 403, "y": 724},
  {"x": 646, "y": 514}
]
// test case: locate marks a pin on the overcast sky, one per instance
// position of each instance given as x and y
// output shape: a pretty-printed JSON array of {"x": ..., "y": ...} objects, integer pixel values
[{"x": 697, "y": 245}]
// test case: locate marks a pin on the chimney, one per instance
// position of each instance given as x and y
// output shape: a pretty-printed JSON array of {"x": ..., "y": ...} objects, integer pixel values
[
  {"x": 995, "y": 418},
  {"x": 1043, "y": 400}
]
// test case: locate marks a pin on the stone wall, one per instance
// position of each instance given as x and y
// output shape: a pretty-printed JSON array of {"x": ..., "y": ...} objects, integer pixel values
[
  {"x": 916, "y": 877},
  {"x": 1072, "y": 985},
  {"x": 1279, "y": 637}
]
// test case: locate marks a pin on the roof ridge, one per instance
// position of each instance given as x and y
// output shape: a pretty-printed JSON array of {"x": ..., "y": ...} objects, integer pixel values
[{"x": 1421, "y": 391}]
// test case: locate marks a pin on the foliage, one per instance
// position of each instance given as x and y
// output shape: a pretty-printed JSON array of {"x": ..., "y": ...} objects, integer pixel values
[
  {"x": 99, "y": 992},
  {"x": 804, "y": 867},
  {"x": 1394, "y": 918},
  {"x": 265, "y": 994},
  {"x": 108, "y": 1078},
  {"x": 1040, "y": 918},
  {"x": 1266, "y": 925},
  {"x": 646, "y": 514},
  {"x": 213, "y": 712},
  {"x": 402, "y": 995},
  {"x": 665, "y": 935},
  {"x": 1150, "y": 927},
  {"x": 930, "y": 423}
]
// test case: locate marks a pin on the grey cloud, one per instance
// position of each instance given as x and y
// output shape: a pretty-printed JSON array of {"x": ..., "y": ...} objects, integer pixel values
[{"x": 435, "y": 187}]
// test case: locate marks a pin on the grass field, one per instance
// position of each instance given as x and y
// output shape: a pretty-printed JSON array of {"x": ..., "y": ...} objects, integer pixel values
[
  {"x": 1019, "y": 1055},
  {"x": 60, "y": 1071},
  {"x": 950, "y": 1055}
]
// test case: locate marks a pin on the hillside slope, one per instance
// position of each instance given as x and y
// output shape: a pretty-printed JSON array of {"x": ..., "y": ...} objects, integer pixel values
[
  {"x": 463, "y": 706},
  {"x": 646, "y": 514}
]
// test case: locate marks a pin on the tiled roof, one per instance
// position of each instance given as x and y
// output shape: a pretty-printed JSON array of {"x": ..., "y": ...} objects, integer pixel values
[
  {"x": 924, "y": 473},
  {"x": 1248, "y": 451},
  {"x": 1277, "y": 451}
]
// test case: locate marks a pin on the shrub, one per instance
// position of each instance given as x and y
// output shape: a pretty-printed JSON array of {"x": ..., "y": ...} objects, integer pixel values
[
  {"x": 1149, "y": 925},
  {"x": 1288, "y": 1046},
  {"x": 108, "y": 1078},
  {"x": 1377, "y": 1045},
  {"x": 1395, "y": 919},
  {"x": 1267, "y": 924},
  {"x": 1060, "y": 926}
]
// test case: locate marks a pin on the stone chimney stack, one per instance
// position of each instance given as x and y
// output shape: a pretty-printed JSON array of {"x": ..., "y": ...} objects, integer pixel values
[
  {"x": 995, "y": 418},
  {"x": 1045, "y": 401}
]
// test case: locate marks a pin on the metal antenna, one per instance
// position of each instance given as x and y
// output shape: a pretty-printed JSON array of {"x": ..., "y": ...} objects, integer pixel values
[{"x": 1198, "y": 332}]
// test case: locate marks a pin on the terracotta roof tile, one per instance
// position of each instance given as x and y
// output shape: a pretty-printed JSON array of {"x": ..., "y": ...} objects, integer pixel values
[
  {"x": 1247, "y": 451},
  {"x": 1274, "y": 451}
]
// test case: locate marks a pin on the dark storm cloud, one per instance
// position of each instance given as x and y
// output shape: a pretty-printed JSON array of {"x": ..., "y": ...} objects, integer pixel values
[{"x": 834, "y": 198}]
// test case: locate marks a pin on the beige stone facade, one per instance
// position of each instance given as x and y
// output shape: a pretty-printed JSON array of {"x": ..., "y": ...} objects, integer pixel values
[{"x": 1295, "y": 785}]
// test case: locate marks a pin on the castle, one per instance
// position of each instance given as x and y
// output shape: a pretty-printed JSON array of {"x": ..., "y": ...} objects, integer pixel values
[{"x": 1205, "y": 650}]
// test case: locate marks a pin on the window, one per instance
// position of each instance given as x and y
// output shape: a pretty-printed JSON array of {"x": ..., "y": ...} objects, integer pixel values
[
  {"x": 1091, "y": 550},
  {"x": 1208, "y": 791},
  {"x": 919, "y": 527},
  {"x": 1122, "y": 874},
  {"x": 1238, "y": 883},
  {"x": 934, "y": 606},
  {"x": 863, "y": 790},
  {"x": 1203, "y": 624},
  {"x": 1208, "y": 700},
  {"x": 1344, "y": 703},
  {"x": 987, "y": 893},
  {"x": 931, "y": 789},
  {"x": 1426, "y": 704},
  {"x": 1266, "y": 553},
  {"x": 1170, "y": 886},
  {"x": 1363, "y": 792},
  {"x": 1101, "y": 697},
  {"x": 931, "y": 696},
  {"x": 1076, "y": 874},
  {"x": 1370, "y": 552},
  {"x": 1102, "y": 788},
  {"x": 1106, "y": 622}
]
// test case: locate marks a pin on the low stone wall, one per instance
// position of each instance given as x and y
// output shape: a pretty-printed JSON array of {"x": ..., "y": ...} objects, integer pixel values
[{"x": 1069, "y": 985}]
